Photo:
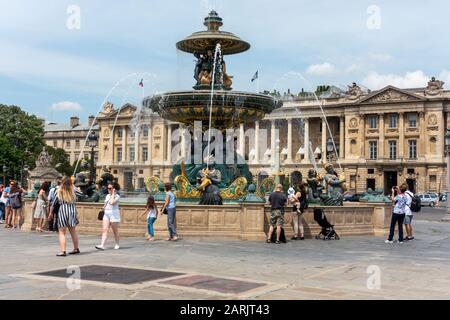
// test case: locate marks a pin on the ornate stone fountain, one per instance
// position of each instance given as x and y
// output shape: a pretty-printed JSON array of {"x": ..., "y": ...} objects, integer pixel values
[{"x": 214, "y": 104}]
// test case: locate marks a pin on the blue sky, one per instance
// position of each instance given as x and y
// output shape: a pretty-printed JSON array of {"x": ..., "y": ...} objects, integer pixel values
[{"x": 55, "y": 72}]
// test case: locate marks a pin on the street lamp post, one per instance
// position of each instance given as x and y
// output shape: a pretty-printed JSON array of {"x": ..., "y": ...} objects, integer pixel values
[
  {"x": 330, "y": 149},
  {"x": 92, "y": 143},
  {"x": 447, "y": 151}
]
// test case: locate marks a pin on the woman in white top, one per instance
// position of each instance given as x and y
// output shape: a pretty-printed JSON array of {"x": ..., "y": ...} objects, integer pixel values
[{"x": 111, "y": 217}]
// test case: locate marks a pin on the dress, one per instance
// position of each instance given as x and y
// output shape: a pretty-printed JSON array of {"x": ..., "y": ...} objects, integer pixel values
[
  {"x": 41, "y": 208},
  {"x": 67, "y": 214}
]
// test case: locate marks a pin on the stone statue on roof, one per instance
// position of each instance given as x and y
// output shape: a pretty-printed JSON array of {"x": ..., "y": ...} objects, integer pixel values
[{"x": 434, "y": 86}]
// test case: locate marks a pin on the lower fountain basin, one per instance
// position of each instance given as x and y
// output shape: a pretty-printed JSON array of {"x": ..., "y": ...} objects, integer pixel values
[{"x": 229, "y": 108}]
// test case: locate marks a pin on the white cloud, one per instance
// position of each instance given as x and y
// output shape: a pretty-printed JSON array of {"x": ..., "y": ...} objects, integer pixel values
[
  {"x": 445, "y": 76},
  {"x": 416, "y": 79},
  {"x": 321, "y": 69},
  {"x": 66, "y": 106}
]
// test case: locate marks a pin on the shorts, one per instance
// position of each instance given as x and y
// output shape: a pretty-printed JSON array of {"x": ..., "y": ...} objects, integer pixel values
[
  {"x": 408, "y": 219},
  {"x": 112, "y": 216},
  {"x": 276, "y": 218}
]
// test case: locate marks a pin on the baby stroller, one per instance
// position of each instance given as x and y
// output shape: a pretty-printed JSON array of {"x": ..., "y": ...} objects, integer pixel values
[{"x": 328, "y": 232}]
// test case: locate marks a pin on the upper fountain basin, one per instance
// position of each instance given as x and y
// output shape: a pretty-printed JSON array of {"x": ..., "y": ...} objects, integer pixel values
[{"x": 229, "y": 108}]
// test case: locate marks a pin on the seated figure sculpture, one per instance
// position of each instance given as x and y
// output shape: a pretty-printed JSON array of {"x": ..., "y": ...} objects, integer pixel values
[
  {"x": 335, "y": 186},
  {"x": 314, "y": 186},
  {"x": 208, "y": 180}
]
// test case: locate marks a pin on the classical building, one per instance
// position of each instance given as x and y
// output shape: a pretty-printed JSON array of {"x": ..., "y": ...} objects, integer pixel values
[
  {"x": 71, "y": 137},
  {"x": 382, "y": 138}
]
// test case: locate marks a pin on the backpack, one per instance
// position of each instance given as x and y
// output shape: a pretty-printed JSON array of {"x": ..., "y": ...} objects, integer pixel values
[
  {"x": 16, "y": 202},
  {"x": 416, "y": 205}
]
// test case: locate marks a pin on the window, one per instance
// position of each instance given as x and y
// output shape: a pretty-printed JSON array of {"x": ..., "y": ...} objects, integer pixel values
[
  {"x": 413, "y": 149},
  {"x": 373, "y": 122},
  {"x": 131, "y": 132},
  {"x": 77, "y": 144},
  {"x": 370, "y": 171},
  {"x": 392, "y": 150},
  {"x": 393, "y": 120},
  {"x": 119, "y": 154},
  {"x": 144, "y": 153},
  {"x": 141, "y": 183},
  {"x": 55, "y": 144},
  {"x": 68, "y": 144},
  {"x": 412, "y": 120},
  {"x": 370, "y": 184},
  {"x": 411, "y": 171},
  {"x": 132, "y": 154},
  {"x": 372, "y": 150},
  {"x": 145, "y": 131},
  {"x": 119, "y": 133},
  {"x": 115, "y": 171},
  {"x": 141, "y": 171}
]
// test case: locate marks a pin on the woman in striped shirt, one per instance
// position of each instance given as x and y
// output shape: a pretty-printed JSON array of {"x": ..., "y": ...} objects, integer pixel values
[{"x": 66, "y": 216}]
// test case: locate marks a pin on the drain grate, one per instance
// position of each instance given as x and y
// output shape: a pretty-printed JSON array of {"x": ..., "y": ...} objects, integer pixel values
[
  {"x": 109, "y": 274},
  {"x": 214, "y": 284}
]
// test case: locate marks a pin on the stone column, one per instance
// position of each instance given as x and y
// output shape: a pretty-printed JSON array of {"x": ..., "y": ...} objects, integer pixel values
[
  {"x": 150, "y": 142},
  {"x": 342, "y": 138},
  {"x": 242, "y": 140},
  {"x": 289, "y": 141},
  {"x": 422, "y": 151},
  {"x": 257, "y": 142},
  {"x": 306, "y": 141},
  {"x": 169, "y": 143},
  {"x": 183, "y": 141},
  {"x": 401, "y": 135},
  {"x": 136, "y": 144},
  {"x": 272, "y": 141},
  {"x": 362, "y": 136},
  {"x": 381, "y": 137},
  {"x": 324, "y": 141},
  {"x": 124, "y": 144}
]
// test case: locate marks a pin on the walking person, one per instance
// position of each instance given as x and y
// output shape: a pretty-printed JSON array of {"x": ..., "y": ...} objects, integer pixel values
[
  {"x": 41, "y": 210},
  {"x": 111, "y": 218},
  {"x": 2, "y": 204},
  {"x": 170, "y": 206},
  {"x": 408, "y": 215},
  {"x": 151, "y": 210},
  {"x": 277, "y": 202},
  {"x": 67, "y": 216},
  {"x": 15, "y": 197},
  {"x": 398, "y": 214}
]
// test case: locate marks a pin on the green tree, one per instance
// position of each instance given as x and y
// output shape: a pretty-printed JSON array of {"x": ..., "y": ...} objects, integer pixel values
[
  {"x": 60, "y": 160},
  {"x": 21, "y": 139}
]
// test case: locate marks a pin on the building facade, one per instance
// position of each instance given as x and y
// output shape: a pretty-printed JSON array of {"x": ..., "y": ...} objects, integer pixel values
[
  {"x": 378, "y": 139},
  {"x": 71, "y": 137}
]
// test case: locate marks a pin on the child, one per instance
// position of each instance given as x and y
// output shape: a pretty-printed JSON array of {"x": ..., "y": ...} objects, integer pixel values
[
  {"x": 152, "y": 214},
  {"x": 294, "y": 200}
]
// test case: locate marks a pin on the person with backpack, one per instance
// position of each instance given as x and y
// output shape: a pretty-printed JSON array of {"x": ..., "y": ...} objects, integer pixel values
[
  {"x": 15, "y": 197},
  {"x": 398, "y": 214},
  {"x": 412, "y": 205},
  {"x": 277, "y": 202}
]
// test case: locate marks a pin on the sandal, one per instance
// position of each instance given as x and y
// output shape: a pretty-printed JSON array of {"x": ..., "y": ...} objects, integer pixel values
[
  {"x": 61, "y": 254},
  {"x": 277, "y": 242},
  {"x": 268, "y": 241},
  {"x": 76, "y": 251}
]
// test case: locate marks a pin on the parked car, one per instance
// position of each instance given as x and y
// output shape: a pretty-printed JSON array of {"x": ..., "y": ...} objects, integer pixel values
[{"x": 427, "y": 200}]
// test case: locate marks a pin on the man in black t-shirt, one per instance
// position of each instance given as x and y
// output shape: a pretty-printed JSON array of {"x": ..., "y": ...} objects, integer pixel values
[{"x": 277, "y": 201}]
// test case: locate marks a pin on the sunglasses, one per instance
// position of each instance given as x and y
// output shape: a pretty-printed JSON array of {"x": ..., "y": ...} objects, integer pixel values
[{"x": 110, "y": 188}]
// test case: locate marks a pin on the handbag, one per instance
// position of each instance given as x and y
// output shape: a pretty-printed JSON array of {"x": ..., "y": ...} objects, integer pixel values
[
  {"x": 101, "y": 214},
  {"x": 165, "y": 211}
]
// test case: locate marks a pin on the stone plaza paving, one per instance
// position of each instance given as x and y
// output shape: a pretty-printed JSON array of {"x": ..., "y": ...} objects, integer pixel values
[{"x": 198, "y": 268}]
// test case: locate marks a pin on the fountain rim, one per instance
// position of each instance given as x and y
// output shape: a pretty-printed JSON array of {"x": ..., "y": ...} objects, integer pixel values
[{"x": 223, "y": 37}]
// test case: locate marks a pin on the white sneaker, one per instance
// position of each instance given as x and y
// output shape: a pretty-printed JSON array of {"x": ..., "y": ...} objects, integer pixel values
[
  {"x": 116, "y": 247},
  {"x": 390, "y": 242},
  {"x": 401, "y": 242},
  {"x": 100, "y": 248}
]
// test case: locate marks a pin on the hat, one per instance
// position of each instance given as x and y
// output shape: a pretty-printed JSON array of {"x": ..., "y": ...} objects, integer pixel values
[{"x": 291, "y": 191}]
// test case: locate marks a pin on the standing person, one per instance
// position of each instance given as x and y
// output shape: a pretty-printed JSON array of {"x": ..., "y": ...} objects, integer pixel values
[
  {"x": 67, "y": 216},
  {"x": 151, "y": 210},
  {"x": 277, "y": 202},
  {"x": 2, "y": 205},
  {"x": 169, "y": 204},
  {"x": 111, "y": 217},
  {"x": 15, "y": 197},
  {"x": 6, "y": 192},
  {"x": 298, "y": 209},
  {"x": 408, "y": 214},
  {"x": 398, "y": 215},
  {"x": 53, "y": 223},
  {"x": 41, "y": 211}
]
